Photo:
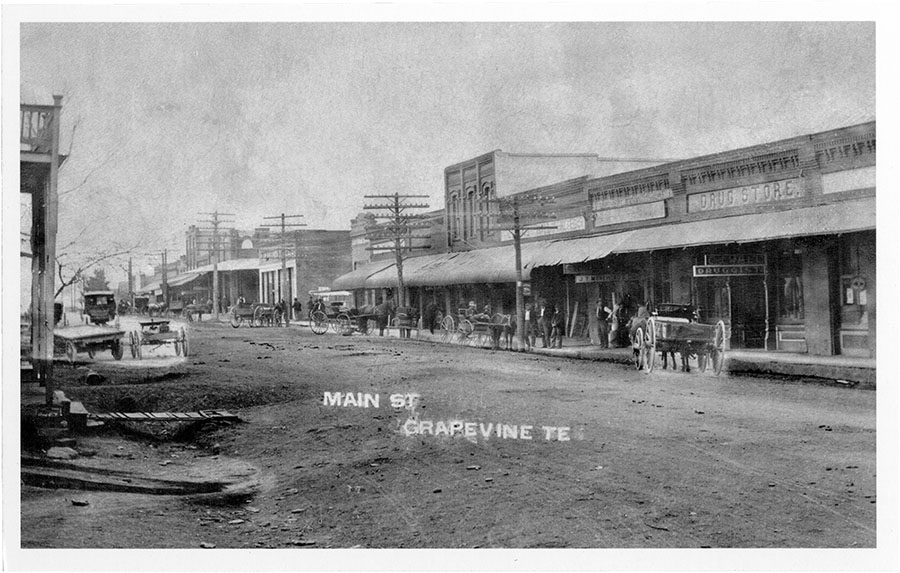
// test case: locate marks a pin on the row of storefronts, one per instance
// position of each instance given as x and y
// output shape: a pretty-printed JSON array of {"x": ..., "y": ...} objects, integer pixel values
[{"x": 776, "y": 240}]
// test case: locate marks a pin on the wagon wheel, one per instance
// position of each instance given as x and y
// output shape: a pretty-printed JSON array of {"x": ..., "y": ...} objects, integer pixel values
[
  {"x": 71, "y": 351},
  {"x": 258, "y": 316},
  {"x": 235, "y": 319},
  {"x": 448, "y": 327},
  {"x": 438, "y": 319},
  {"x": 637, "y": 346},
  {"x": 318, "y": 322},
  {"x": 464, "y": 331},
  {"x": 184, "y": 342},
  {"x": 118, "y": 349},
  {"x": 91, "y": 352},
  {"x": 133, "y": 342},
  {"x": 370, "y": 324},
  {"x": 650, "y": 345},
  {"x": 717, "y": 354},
  {"x": 187, "y": 314},
  {"x": 344, "y": 324},
  {"x": 177, "y": 344}
]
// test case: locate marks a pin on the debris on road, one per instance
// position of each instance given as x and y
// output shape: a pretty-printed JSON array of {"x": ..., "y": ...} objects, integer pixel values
[
  {"x": 80, "y": 502},
  {"x": 206, "y": 545},
  {"x": 62, "y": 453},
  {"x": 473, "y": 468}
]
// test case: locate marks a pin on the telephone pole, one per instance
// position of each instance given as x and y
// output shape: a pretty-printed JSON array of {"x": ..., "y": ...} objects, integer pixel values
[
  {"x": 283, "y": 248},
  {"x": 215, "y": 222},
  {"x": 397, "y": 229},
  {"x": 518, "y": 214}
]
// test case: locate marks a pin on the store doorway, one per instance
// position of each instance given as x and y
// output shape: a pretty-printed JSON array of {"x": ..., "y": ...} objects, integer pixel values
[{"x": 738, "y": 301}]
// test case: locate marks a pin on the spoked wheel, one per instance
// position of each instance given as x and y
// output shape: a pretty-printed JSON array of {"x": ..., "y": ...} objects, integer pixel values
[
  {"x": 318, "y": 322},
  {"x": 118, "y": 349},
  {"x": 344, "y": 324},
  {"x": 139, "y": 342},
  {"x": 132, "y": 341},
  {"x": 649, "y": 346},
  {"x": 702, "y": 360},
  {"x": 370, "y": 325},
  {"x": 178, "y": 345},
  {"x": 464, "y": 331},
  {"x": 235, "y": 320},
  {"x": 638, "y": 348},
  {"x": 717, "y": 354},
  {"x": 184, "y": 343},
  {"x": 448, "y": 327},
  {"x": 258, "y": 317}
]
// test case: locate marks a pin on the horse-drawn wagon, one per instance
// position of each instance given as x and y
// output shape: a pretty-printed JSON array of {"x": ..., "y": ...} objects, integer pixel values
[
  {"x": 157, "y": 333},
  {"x": 256, "y": 314},
  {"x": 477, "y": 329},
  {"x": 674, "y": 328},
  {"x": 90, "y": 339}
]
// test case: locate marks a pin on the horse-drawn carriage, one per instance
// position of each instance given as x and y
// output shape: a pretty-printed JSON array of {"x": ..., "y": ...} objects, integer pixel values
[
  {"x": 343, "y": 320},
  {"x": 674, "y": 328},
  {"x": 478, "y": 329},
  {"x": 256, "y": 314}
]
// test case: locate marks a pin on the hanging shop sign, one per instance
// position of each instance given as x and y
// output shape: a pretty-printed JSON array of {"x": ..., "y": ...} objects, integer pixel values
[
  {"x": 735, "y": 259},
  {"x": 750, "y": 195},
  {"x": 729, "y": 270}
]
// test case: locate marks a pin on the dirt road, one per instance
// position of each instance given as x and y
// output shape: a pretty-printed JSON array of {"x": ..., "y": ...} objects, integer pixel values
[{"x": 586, "y": 454}]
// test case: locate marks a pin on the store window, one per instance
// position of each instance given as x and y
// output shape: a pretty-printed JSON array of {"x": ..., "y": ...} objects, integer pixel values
[{"x": 789, "y": 284}]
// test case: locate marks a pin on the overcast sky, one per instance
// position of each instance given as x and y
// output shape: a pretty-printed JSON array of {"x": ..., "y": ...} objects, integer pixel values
[{"x": 167, "y": 120}]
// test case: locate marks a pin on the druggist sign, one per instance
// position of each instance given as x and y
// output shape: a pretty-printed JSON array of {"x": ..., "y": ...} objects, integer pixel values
[{"x": 729, "y": 270}]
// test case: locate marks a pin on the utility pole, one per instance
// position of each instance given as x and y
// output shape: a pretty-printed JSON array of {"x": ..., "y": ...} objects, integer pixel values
[
  {"x": 397, "y": 229},
  {"x": 517, "y": 215},
  {"x": 165, "y": 279},
  {"x": 282, "y": 248},
  {"x": 130, "y": 285},
  {"x": 215, "y": 222}
]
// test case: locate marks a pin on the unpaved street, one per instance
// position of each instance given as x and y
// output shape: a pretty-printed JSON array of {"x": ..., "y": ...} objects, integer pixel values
[{"x": 610, "y": 457}]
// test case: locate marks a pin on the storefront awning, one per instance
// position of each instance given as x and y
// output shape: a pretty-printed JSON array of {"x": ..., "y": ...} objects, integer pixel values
[
  {"x": 843, "y": 217},
  {"x": 356, "y": 278},
  {"x": 183, "y": 279}
]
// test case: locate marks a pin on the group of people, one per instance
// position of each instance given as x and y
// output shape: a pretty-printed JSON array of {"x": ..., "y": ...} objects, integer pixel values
[{"x": 547, "y": 320}]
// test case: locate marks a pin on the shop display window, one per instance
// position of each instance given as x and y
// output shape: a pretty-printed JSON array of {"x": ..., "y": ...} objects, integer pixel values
[{"x": 789, "y": 284}]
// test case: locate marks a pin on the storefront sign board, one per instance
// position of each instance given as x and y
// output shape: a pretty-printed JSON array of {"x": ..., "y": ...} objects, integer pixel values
[
  {"x": 747, "y": 196},
  {"x": 728, "y": 270}
]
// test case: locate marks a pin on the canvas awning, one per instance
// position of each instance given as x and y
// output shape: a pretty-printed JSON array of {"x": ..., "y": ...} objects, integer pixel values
[
  {"x": 356, "y": 278},
  {"x": 183, "y": 279},
  {"x": 831, "y": 219}
]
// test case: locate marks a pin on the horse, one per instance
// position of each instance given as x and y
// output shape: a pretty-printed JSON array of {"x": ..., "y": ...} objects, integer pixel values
[
  {"x": 159, "y": 308},
  {"x": 406, "y": 318},
  {"x": 502, "y": 326}
]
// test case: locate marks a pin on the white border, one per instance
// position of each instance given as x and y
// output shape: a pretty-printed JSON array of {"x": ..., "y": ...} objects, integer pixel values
[{"x": 885, "y": 557}]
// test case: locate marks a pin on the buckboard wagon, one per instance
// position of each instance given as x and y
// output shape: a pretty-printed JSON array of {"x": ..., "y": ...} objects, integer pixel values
[
  {"x": 670, "y": 335},
  {"x": 157, "y": 333},
  {"x": 90, "y": 339}
]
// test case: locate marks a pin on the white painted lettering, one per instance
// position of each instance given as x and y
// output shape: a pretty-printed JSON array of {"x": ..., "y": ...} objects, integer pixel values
[
  {"x": 332, "y": 399},
  {"x": 563, "y": 433},
  {"x": 471, "y": 431},
  {"x": 525, "y": 432},
  {"x": 372, "y": 400},
  {"x": 441, "y": 428},
  {"x": 410, "y": 427},
  {"x": 510, "y": 431},
  {"x": 486, "y": 432},
  {"x": 426, "y": 425},
  {"x": 350, "y": 400},
  {"x": 548, "y": 432}
]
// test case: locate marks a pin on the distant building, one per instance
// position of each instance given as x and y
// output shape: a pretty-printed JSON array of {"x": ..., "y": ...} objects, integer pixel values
[{"x": 316, "y": 258}]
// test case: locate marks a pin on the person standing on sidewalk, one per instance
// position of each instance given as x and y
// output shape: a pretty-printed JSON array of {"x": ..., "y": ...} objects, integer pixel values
[
  {"x": 544, "y": 316},
  {"x": 529, "y": 327},
  {"x": 297, "y": 308},
  {"x": 604, "y": 313},
  {"x": 557, "y": 326}
]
